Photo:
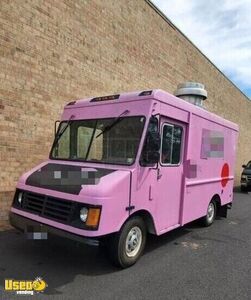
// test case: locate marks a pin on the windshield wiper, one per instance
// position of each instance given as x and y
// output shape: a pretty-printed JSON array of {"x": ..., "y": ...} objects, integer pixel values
[
  {"x": 116, "y": 121},
  {"x": 61, "y": 132}
]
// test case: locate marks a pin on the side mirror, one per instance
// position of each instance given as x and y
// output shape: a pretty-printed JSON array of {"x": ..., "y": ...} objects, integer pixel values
[
  {"x": 244, "y": 166},
  {"x": 154, "y": 141},
  {"x": 56, "y": 127},
  {"x": 150, "y": 153}
]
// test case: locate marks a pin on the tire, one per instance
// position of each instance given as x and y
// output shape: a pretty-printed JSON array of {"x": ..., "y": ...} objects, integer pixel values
[
  {"x": 211, "y": 214},
  {"x": 243, "y": 189},
  {"x": 126, "y": 246}
]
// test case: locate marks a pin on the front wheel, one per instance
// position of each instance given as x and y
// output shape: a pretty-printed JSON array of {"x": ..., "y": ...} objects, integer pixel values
[
  {"x": 126, "y": 246},
  {"x": 211, "y": 214}
]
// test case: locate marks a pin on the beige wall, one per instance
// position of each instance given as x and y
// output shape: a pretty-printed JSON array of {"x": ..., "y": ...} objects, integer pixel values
[{"x": 53, "y": 51}]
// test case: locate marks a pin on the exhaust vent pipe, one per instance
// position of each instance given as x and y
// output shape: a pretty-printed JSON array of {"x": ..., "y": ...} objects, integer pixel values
[{"x": 192, "y": 92}]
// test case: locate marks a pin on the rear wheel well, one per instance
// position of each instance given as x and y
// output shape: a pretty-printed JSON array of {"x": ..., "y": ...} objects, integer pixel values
[
  {"x": 216, "y": 198},
  {"x": 148, "y": 219}
]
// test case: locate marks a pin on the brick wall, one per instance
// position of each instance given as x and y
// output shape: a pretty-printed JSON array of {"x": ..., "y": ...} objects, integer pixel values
[{"x": 53, "y": 51}]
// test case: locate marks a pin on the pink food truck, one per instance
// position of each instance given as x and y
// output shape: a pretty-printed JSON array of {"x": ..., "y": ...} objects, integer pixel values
[{"x": 126, "y": 165}]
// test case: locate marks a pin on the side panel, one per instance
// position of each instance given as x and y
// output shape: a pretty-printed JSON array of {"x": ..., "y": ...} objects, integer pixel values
[
  {"x": 144, "y": 196},
  {"x": 209, "y": 168}
]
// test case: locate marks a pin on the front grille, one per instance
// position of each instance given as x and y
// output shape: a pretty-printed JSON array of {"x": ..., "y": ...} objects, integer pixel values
[
  {"x": 56, "y": 209},
  {"x": 249, "y": 177},
  {"x": 45, "y": 206}
]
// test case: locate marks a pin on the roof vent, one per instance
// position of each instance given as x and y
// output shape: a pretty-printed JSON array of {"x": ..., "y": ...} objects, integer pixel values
[{"x": 192, "y": 92}]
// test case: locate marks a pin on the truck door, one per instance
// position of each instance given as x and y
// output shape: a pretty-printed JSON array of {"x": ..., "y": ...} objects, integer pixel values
[{"x": 170, "y": 172}]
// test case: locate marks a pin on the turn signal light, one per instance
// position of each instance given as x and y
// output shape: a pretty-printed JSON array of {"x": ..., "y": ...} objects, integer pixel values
[{"x": 93, "y": 217}]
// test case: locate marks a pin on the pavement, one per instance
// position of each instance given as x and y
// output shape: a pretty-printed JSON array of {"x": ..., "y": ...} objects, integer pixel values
[{"x": 188, "y": 263}]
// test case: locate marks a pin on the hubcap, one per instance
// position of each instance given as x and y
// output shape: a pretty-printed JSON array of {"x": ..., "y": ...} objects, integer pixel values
[
  {"x": 133, "y": 241},
  {"x": 210, "y": 212}
]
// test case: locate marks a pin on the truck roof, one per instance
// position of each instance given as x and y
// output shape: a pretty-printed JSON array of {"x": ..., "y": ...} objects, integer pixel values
[{"x": 155, "y": 94}]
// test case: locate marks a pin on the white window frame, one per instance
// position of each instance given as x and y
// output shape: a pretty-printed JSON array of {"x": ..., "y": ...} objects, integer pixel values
[{"x": 171, "y": 152}]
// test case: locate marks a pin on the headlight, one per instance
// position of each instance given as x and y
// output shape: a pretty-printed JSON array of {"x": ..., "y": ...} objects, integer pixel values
[
  {"x": 20, "y": 197},
  {"x": 83, "y": 214}
]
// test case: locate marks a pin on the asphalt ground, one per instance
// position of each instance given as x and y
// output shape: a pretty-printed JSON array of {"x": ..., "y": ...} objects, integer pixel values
[{"x": 188, "y": 263}]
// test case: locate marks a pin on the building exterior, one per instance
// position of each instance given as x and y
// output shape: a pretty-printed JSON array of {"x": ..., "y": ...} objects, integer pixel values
[{"x": 52, "y": 52}]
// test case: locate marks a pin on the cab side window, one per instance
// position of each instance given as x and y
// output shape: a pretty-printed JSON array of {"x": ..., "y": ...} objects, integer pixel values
[{"x": 171, "y": 144}]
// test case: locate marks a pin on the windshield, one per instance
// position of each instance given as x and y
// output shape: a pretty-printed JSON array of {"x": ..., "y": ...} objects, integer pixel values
[
  {"x": 112, "y": 141},
  {"x": 248, "y": 165}
]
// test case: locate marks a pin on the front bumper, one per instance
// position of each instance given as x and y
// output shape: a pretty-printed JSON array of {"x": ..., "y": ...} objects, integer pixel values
[
  {"x": 27, "y": 225},
  {"x": 246, "y": 185}
]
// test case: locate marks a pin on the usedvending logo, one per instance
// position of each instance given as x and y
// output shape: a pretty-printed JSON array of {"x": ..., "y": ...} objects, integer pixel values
[{"x": 25, "y": 287}]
